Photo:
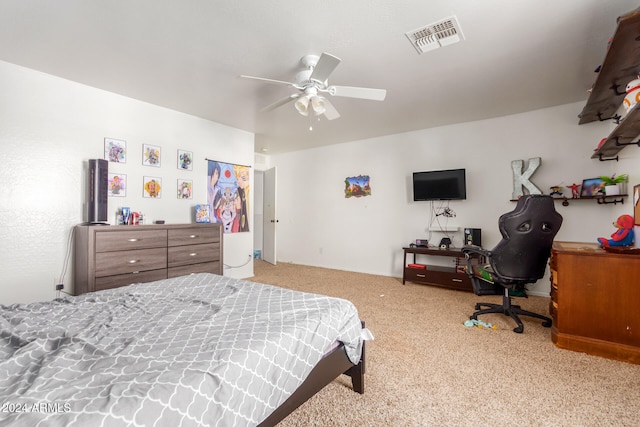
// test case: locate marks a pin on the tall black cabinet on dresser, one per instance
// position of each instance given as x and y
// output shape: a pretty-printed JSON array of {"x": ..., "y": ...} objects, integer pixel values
[{"x": 113, "y": 256}]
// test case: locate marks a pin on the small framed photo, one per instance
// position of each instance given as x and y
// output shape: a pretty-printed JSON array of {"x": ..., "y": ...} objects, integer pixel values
[
  {"x": 115, "y": 150},
  {"x": 117, "y": 185},
  {"x": 185, "y": 189},
  {"x": 151, "y": 155},
  {"x": 202, "y": 213},
  {"x": 592, "y": 187},
  {"x": 152, "y": 187},
  {"x": 185, "y": 160}
]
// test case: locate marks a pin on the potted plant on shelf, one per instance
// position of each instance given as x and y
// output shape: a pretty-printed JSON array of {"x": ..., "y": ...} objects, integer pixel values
[{"x": 615, "y": 185}]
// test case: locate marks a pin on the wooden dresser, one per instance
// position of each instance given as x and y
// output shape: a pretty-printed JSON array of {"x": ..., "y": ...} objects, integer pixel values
[
  {"x": 595, "y": 301},
  {"x": 113, "y": 256}
]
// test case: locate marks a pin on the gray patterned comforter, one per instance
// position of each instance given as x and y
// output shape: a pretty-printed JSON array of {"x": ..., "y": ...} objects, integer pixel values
[{"x": 195, "y": 350}]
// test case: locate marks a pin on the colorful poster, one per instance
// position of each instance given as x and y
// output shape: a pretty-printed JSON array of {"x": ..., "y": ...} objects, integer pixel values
[
  {"x": 151, "y": 155},
  {"x": 115, "y": 150},
  {"x": 357, "y": 186},
  {"x": 152, "y": 187},
  {"x": 185, "y": 189},
  {"x": 117, "y": 185},
  {"x": 228, "y": 195}
]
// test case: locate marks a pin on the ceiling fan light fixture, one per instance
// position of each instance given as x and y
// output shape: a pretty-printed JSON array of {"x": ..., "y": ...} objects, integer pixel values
[
  {"x": 311, "y": 81},
  {"x": 302, "y": 105},
  {"x": 318, "y": 105}
]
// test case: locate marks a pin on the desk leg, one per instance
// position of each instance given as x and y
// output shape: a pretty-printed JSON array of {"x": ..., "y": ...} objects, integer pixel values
[{"x": 404, "y": 267}]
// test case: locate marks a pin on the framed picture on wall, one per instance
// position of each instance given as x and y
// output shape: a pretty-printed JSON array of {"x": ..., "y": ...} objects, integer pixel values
[
  {"x": 115, "y": 150},
  {"x": 592, "y": 187},
  {"x": 185, "y": 160},
  {"x": 152, "y": 187},
  {"x": 117, "y": 185},
  {"x": 151, "y": 155},
  {"x": 185, "y": 189}
]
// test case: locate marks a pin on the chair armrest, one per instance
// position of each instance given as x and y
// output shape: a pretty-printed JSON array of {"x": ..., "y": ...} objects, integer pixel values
[{"x": 468, "y": 250}]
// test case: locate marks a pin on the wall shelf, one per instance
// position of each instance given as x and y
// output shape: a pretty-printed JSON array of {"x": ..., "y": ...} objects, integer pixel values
[
  {"x": 622, "y": 135},
  {"x": 601, "y": 200},
  {"x": 621, "y": 65}
]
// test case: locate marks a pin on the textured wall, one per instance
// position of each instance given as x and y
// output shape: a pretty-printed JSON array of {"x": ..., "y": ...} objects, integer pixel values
[
  {"x": 49, "y": 128},
  {"x": 367, "y": 234}
]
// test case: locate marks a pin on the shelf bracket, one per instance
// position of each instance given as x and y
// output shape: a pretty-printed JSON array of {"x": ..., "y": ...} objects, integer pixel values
[
  {"x": 603, "y": 201},
  {"x": 606, "y": 160},
  {"x": 615, "y": 90},
  {"x": 624, "y": 144},
  {"x": 615, "y": 117}
]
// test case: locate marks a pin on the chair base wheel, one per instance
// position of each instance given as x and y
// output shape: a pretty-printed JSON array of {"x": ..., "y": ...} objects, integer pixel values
[{"x": 510, "y": 310}]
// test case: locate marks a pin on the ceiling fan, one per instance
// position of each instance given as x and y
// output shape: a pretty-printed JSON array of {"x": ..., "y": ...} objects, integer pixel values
[{"x": 312, "y": 82}]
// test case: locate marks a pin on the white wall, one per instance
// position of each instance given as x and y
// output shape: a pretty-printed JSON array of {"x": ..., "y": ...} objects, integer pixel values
[
  {"x": 49, "y": 128},
  {"x": 319, "y": 226}
]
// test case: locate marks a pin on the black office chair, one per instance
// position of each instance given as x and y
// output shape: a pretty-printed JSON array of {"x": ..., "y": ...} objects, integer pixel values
[{"x": 518, "y": 259}]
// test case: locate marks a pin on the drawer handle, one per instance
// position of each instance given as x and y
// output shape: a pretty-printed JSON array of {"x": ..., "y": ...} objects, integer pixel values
[
  {"x": 193, "y": 236},
  {"x": 421, "y": 275},
  {"x": 133, "y": 240},
  {"x": 133, "y": 261},
  {"x": 193, "y": 254},
  {"x": 456, "y": 280}
]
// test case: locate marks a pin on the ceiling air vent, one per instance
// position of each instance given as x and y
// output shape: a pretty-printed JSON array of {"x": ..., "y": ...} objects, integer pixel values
[{"x": 433, "y": 36}]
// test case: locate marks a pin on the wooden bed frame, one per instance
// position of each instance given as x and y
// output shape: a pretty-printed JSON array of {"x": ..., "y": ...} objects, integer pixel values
[{"x": 334, "y": 364}]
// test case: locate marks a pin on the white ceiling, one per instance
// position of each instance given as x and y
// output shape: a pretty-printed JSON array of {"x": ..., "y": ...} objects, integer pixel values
[{"x": 187, "y": 55}]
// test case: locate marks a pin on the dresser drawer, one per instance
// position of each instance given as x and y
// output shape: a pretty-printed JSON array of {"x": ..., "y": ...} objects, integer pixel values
[
  {"x": 208, "y": 267},
  {"x": 193, "y": 236},
  {"x": 113, "y": 263},
  {"x": 109, "y": 282},
  {"x": 439, "y": 276},
  {"x": 124, "y": 240},
  {"x": 192, "y": 254}
]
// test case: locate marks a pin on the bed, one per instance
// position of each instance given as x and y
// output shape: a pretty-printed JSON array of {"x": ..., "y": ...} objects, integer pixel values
[{"x": 195, "y": 350}]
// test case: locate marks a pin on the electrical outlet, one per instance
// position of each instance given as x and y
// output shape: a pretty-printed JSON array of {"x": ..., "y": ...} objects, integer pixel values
[{"x": 59, "y": 286}]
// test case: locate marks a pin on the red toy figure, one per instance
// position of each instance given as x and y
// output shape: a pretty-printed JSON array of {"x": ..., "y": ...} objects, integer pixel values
[
  {"x": 575, "y": 190},
  {"x": 624, "y": 236}
]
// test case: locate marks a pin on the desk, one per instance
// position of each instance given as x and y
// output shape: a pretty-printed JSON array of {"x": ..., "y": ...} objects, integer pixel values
[
  {"x": 448, "y": 277},
  {"x": 595, "y": 301}
]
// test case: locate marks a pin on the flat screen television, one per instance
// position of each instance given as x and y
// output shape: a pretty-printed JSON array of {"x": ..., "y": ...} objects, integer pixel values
[{"x": 440, "y": 185}]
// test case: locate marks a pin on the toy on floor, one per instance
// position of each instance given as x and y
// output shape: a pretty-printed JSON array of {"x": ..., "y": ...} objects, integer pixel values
[
  {"x": 624, "y": 236},
  {"x": 479, "y": 324}
]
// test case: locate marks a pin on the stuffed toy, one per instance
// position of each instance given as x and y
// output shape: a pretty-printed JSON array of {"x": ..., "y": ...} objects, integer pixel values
[
  {"x": 633, "y": 94},
  {"x": 623, "y": 236}
]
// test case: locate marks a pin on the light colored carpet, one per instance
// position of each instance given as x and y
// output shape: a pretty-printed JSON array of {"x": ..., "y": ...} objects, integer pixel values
[{"x": 425, "y": 368}]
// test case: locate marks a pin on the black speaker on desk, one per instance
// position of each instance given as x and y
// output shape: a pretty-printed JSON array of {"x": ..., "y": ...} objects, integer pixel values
[
  {"x": 97, "y": 191},
  {"x": 472, "y": 236}
]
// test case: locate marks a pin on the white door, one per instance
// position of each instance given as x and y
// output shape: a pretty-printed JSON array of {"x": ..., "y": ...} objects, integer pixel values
[{"x": 270, "y": 218}]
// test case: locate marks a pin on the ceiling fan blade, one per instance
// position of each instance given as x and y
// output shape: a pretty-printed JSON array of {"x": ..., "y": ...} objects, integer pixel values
[
  {"x": 358, "y": 92},
  {"x": 280, "y": 102},
  {"x": 270, "y": 81},
  {"x": 325, "y": 66},
  {"x": 330, "y": 111}
]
